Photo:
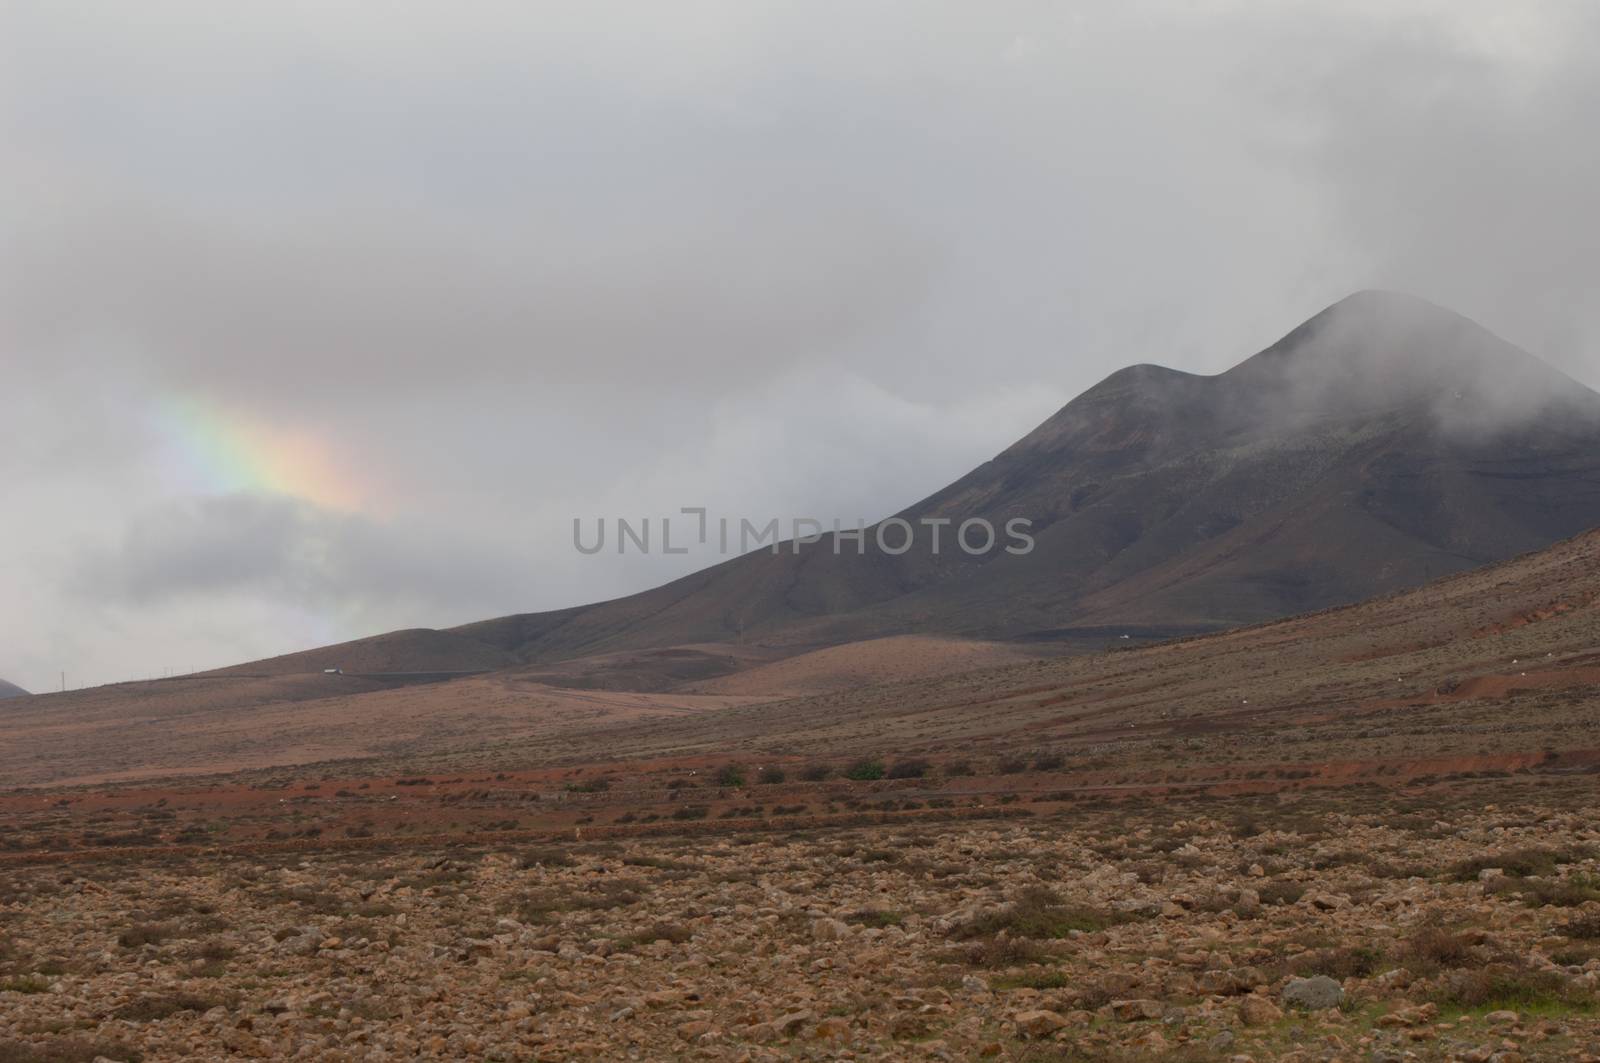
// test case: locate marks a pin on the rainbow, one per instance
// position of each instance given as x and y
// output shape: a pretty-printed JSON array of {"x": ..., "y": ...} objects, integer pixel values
[{"x": 213, "y": 450}]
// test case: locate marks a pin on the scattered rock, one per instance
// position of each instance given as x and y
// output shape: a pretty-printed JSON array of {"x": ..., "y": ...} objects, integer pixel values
[
  {"x": 830, "y": 930},
  {"x": 1313, "y": 994},
  {"x": 1134, "y": 1010},
  {"x": 1257, "y": 1010},
  {"x": 834, "y": 1029},
  {"x": 1038, "y": 1023}
]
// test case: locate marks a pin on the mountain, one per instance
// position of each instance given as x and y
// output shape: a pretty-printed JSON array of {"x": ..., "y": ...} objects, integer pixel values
[
  {"x": 11, "y": 690},
  {"x": 1381, "y": 444},
  {"x": 1489, "y": 671}
]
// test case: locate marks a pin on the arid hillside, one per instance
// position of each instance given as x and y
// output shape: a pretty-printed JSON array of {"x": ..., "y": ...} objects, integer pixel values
[{"x": 1497, "y": 662}]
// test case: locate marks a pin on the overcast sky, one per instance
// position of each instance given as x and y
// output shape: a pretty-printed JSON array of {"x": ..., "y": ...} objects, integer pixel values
[{"x": 324, "y": 318}]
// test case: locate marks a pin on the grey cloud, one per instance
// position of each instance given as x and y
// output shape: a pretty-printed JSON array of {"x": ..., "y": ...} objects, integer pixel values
[
  {"x": 295, "y": 553},
  {"x": 1456, "y": 166},
  {"x": 387, "y": 306}
]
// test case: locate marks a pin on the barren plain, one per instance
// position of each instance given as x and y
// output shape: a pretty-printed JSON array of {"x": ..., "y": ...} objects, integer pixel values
[{"x": 1363, "y": 834}]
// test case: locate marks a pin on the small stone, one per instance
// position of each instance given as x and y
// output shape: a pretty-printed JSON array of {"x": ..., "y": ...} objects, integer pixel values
[
  {"x": 693, "y": 1031},
  {"x": 1257, "y": 1010},
  {"x": 1134, "y": 1010},
  {"x": 834, "y": 1029},
  {"x": 829, "y": 930},
  {"x": 789, "y": 1025},
  {"x": 244, "y": 1044},
  {"x": 1327, "y": 902},
  {"x": 1153, "y": 1042},
  {"x": 1038, "y": 1023}
]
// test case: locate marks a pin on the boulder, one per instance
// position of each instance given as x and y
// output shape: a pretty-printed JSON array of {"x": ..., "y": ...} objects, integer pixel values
[
  {"x": 1038, "y": 1023},
  {"x": 1258, "y": 1011},
  {"x": 1313, "y": 994},
  {"x": 1134, "y": 1010}
]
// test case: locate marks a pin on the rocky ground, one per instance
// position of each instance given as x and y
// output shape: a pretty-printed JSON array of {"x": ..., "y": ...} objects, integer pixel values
[{"x": 1309, "y": 927}]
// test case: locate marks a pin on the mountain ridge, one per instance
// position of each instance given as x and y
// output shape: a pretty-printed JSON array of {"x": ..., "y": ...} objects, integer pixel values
[{"x": 1381, "y": 443}]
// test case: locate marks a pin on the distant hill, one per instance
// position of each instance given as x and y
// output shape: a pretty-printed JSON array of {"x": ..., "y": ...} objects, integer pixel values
[
  {"x": 1383, "y": 443},
  {"x": 414, "y": 650},
  {"x": 1488, "y": 670},
  {"x": 11, "y": 690}
]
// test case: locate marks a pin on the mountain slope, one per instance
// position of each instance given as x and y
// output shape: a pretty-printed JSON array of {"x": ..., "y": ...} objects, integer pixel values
[
  {"x": 1492, "y": 668},
  {"x": 11, "y": 690},
  {"x": 1383, "y": 443}
]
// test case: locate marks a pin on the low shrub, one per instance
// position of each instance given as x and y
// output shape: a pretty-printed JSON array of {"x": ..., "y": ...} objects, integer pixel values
[
  {"x": 865, "y": 770},
  {"x": 875, "y": 917},
  {"x": 909, "y": 769},
  {"x": 1527, "y": 862},
  {"x": 1038, "y": 913},
  {"x": 1436, "y": 948},
  {"x": 1584, "y": 929},
  {"x": 144, "y": 934},
  {"x": 1279, "y": 891},
  {"x": 1505, "y": 988},
  {"x": 1573, "y": 892},
  {"x": 999, "y": 952}
]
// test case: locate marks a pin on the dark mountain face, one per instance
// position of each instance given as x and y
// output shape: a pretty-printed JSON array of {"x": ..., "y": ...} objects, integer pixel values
[
  {"x": 1383, "y": 443},
  {"x": 11, "y": 690}
]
